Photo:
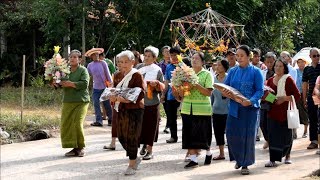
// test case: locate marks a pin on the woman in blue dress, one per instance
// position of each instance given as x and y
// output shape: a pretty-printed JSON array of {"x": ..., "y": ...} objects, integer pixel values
[{"x": 242, "y": 118}]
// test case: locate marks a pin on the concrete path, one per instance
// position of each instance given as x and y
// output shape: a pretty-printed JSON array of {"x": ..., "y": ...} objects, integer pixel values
[{"x": 44, "y": 160}]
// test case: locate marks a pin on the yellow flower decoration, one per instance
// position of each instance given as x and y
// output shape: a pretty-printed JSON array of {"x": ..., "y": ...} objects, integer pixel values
[
  {"x": 251, "y": 54},
  {"x": 179, "y": 58},
  {"x": 56, "y": 49}
]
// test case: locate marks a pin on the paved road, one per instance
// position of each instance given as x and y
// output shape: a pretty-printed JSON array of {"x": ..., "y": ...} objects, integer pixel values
[{"x": 44, "y": 160}]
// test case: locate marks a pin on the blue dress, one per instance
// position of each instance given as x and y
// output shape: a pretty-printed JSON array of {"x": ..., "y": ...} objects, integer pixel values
[{"x": 242, "y": 121}]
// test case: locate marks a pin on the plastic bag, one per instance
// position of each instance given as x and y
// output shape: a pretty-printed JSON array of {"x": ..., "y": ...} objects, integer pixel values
[{"x": 130, "y": 94}]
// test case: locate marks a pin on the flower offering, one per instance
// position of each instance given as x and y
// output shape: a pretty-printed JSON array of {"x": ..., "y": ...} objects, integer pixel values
[
  {"x": 182, "y": 78},
  {"x": 56, "y": 68}
]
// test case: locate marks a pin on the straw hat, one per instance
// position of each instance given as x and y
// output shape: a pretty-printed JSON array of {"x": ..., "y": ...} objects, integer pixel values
[
  {"x": 303, "y": 59},
  {"x": 93, "y": 51}
]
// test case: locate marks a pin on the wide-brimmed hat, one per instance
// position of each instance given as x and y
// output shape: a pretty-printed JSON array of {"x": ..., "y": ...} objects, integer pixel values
[
  {"x": 93, "y": 51},
  {"x": 303, "y": 59}
]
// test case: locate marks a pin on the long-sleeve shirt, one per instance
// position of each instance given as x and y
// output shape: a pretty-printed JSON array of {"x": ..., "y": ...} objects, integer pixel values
[
  {"x": 100, "y": 73},
  {"x": 249, "y": 82},
  {"x": 299, "y": 80},
  {"x": 80, "y": 78},
  {"x": 279, "y": 112},
  {"x": 292, "y": 72}
]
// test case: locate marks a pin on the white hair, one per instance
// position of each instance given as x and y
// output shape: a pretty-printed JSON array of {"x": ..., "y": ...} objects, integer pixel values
[
  {"x": 314, "y": 49},
  {"x": 286, "y": 53},
  {"x": 153, "y": 50},
  {"x": 127, "y": 54}
]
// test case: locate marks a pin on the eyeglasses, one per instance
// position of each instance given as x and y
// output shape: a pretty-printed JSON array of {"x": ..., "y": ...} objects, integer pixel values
[{"x": 314, "y": 56}]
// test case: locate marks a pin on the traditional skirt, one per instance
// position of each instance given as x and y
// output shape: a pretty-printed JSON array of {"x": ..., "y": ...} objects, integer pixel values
[
  {"x": 129, "y": 124},
  {"x": 114, "y": 123},
  {"x": 150, "y": 125},
  {"x": 241, "y": 136},
  {"x": 71, "y": 128},
  {"x": 280, "y": 139},
  {"x": 196, "y": 132}
]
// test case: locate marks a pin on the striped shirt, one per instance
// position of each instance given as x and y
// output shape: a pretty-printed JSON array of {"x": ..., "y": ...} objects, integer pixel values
[
  {"x": 197, "y": 103},
  {"x": 310, "y": 75}
]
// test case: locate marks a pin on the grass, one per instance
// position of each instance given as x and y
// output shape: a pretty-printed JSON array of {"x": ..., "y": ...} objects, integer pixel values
[{"x": 42, "y": 108}]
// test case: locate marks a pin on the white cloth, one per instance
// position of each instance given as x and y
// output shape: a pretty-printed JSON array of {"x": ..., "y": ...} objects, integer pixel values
[
  {"x": 281, "y": 91},
  {"x": 150, "y": 72},
  {"x": 125, "y": 81}
]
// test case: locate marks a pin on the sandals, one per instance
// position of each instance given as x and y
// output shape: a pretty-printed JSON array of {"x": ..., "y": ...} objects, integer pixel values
[
  {"x": 71, "y": 153},
  {"x": 245, "y": 171},
  {"x": 138, "y": 161},
  {"x": 75, "y": 152},
  {"x": 271, "y": 164},
  {"x": 129, "y": 171},
  {"x": 218, "y": 158},
  {"x": 237, "y": 166},
  {"x": 287, "y": 161},
  {"x": 110, "y": 147}
]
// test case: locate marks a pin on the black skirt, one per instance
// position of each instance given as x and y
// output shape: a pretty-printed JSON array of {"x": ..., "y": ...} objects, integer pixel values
[
  {"x": 196, "y": 132},
  {"x": 280, "y": 139}
]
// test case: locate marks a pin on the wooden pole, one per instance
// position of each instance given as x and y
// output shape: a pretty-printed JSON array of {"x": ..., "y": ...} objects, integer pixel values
[
  {"x": 22, "y": 85},
  {"x": 83, "y": 62}
]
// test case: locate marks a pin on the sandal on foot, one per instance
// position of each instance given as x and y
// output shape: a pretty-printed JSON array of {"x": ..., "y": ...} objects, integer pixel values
[
  {"x": 71, "y": 153},
  {"x": 129, "y": 171},
  {"x": 287, "y": 161},
  {"x": 245, "y": 171},
  {"x": 237, "y": 166},
  {"x": 110, "y": 147},
  {"x": 80, "y": 152},
  {"x": 187, "y": 159},
  {"x": 138, "y": 161},
  {"x": 207, "y": 161},
  {"x": 143, "y": 150},
  {"x": 271, "y": 164},
  {"x": 218, "y": 158}
]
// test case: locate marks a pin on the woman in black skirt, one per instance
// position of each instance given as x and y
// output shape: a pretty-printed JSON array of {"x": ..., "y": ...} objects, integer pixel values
[{"x": 196, "y": 113}]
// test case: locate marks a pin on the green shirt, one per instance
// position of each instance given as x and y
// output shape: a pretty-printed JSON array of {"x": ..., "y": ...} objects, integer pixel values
[
  {"x": 111, "y": 67},
  {"x": 81, "y": 93},
  {"x": 196, "y": 102}
]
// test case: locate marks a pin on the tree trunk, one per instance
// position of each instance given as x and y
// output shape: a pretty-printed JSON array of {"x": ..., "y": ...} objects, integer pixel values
[
  {"x": 34, "y": 48},
  {"x": 66, "y": 42},
  {"x": 3, "y": 42}
]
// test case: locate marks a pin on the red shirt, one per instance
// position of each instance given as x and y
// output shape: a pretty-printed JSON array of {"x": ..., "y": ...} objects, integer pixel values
[{"x": 279, "y": 112}]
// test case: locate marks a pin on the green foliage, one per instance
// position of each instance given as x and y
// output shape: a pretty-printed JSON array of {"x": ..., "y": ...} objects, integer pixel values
[
  {"x": 37, "y": 81},
  {"x": 269, "y": 25},
  {"x": 34, "y": 97}
]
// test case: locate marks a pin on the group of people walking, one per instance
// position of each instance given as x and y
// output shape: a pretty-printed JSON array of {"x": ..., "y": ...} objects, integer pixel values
[{"x": 136, "y": 123}]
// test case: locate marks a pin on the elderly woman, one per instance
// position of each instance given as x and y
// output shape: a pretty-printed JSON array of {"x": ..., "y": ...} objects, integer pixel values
[
  {"x": 112, "y": 146},
  {"x": 280, "y": 137},
  {"x": 75, "y": 104},
  {"x": 196, "y": 114},
  {"x": 242, "y": 118},
  {"x": 220, "y": 108},
  {"x": 153, "y": 77},
  {"x": 130, "y": 116}
]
